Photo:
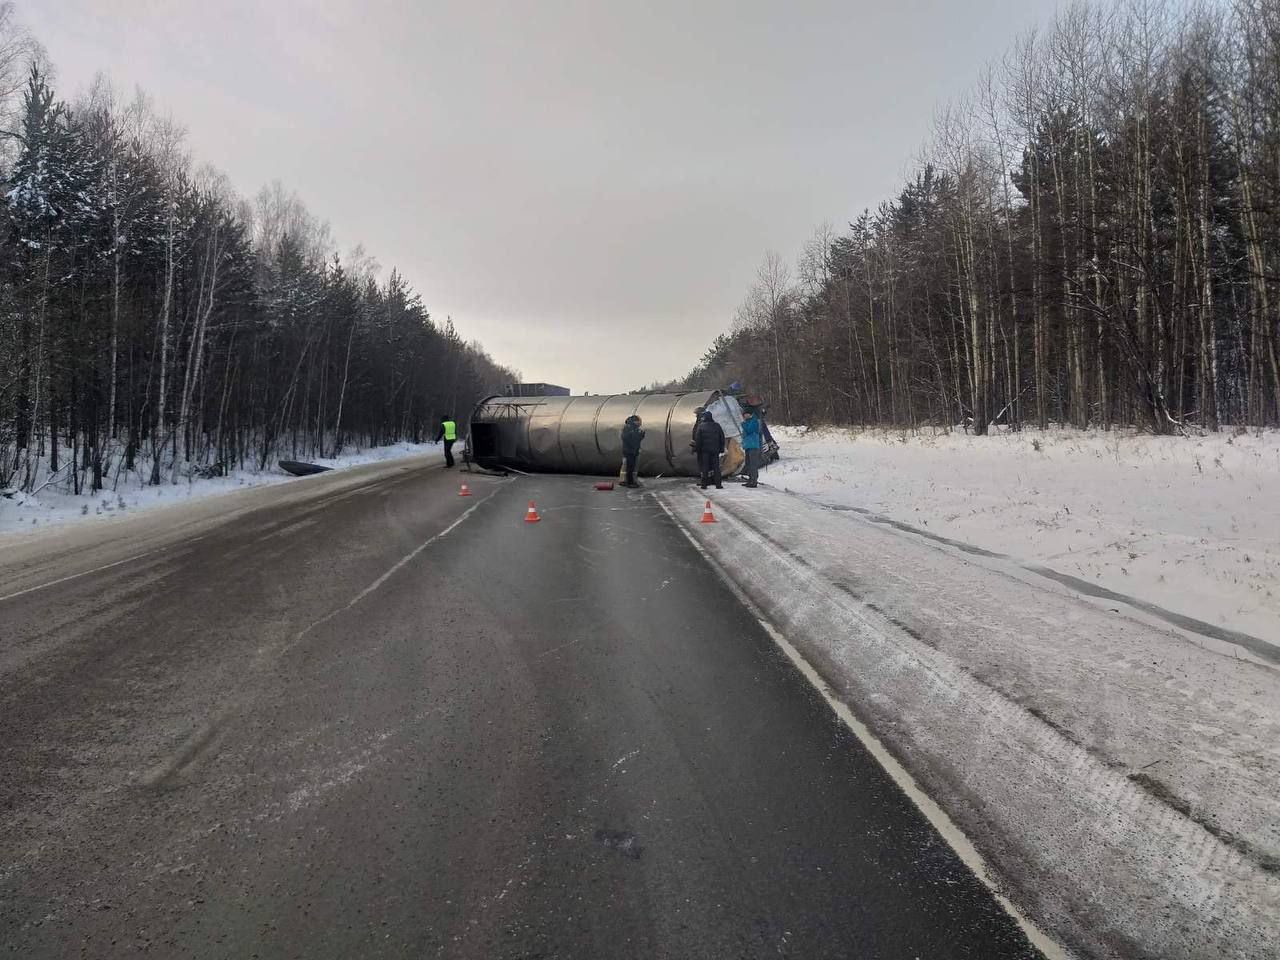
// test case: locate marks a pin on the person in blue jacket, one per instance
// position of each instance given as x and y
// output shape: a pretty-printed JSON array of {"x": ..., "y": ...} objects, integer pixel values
[{"x": 751, "y": 446}]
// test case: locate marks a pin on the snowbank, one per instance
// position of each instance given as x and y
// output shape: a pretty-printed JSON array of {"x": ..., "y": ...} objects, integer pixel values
[
  {"x": 1119, "y": 777},
  {"x": 1188, "y": 524},
  {"x": 52, "y": 505}
]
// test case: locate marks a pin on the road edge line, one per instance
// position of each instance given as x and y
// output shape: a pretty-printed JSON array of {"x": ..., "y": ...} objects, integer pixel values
[
  {"x": 938, "y": 818},
  {"x": 86, "y": 573},
  {"x": 69, "y": 526}
]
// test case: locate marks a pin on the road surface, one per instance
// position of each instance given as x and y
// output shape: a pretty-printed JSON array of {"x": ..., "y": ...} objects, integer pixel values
[{"x": 360, "y": 716}]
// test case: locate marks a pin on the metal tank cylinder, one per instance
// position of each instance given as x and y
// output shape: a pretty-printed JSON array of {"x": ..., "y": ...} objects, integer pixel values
[{"x": 584, "y": 434}]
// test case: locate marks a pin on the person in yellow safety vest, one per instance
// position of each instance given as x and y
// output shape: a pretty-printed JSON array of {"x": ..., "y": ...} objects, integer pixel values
[{"x": 448, "y": 433}]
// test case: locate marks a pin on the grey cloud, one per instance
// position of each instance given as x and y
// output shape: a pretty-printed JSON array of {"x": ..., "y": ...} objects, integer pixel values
[{"x": 587, "y": 188}]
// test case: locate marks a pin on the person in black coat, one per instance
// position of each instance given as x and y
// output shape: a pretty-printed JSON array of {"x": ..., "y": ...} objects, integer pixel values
[
  {"x": 697, "y": 422},
  {"x": 632, "y": 437},
  {"x": 708, "y": 441}
]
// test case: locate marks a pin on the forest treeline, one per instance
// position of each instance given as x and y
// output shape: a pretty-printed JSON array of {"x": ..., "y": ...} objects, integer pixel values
[
  {"x": 155, "y": 325},
  {"x": 1092, "y": 238}
]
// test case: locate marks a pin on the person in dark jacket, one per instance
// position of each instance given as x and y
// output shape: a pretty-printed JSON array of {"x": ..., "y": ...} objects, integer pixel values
[
  {"x": 697, "y": 422},
  {"x": 449, "y": 434},
  {"x": 632, "y": 437},
  {"x": 708, "y": 441}
]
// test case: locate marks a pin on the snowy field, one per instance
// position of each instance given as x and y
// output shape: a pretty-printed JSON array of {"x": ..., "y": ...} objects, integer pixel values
[
  {"x": 53, "y": 505},
  {"x": 1188, "y": 524}
]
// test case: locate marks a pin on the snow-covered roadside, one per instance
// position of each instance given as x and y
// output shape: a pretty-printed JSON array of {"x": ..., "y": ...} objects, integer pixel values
[
  {"x": 1188, "y": 524},
  {"x": 53, "y": 506},
  {"x": 1119, "y": 777}
]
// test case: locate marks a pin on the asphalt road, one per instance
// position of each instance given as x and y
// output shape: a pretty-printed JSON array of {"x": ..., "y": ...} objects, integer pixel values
[{"x": 359, "y": 716}]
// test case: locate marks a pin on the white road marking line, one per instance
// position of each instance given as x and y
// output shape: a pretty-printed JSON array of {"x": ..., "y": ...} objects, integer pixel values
[
  {"x": 193, "y": 745},
  {"x": 621, "y": 760},
  {"x": 937, "y": 817},
  {"x": 398, "y": 565},
  {"x": 291, "y": 528},
  {"x": 547, "y": 653},
  {"x": 83, "y": 573}
]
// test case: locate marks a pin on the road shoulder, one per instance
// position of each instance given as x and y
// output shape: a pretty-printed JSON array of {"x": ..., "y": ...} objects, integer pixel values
[{"x": 1115, "y": 775}]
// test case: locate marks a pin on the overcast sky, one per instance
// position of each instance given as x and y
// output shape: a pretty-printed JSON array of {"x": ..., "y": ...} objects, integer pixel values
[{"x": 586, "y": 188}]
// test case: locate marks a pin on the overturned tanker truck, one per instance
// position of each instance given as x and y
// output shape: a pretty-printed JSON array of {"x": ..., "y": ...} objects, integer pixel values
[{"x": 584, "y": 434}]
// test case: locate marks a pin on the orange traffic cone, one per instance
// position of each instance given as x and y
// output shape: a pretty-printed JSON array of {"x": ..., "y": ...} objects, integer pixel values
[
  {"x": 707, "y": 515},
  {"x": 465, "y": 491},
  {"x": 532, "y": 515}
]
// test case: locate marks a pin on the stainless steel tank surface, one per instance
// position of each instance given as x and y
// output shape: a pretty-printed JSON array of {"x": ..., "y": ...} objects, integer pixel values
[{"x": 584, "y": 434}]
